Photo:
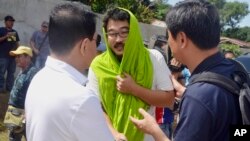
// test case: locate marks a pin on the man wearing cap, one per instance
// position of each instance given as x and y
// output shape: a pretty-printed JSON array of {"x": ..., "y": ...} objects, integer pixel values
[
  {"x": 8, "y": 41},
  {"x": 23, "y": 57},
  {"x": 39, "y": 43}
]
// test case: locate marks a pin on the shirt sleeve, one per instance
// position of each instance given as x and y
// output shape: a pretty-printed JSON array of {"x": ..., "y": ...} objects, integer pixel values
[
  {"x": 33, "y": 36},
  {"x": 89, "y": 122},
  {"x": 92, "y": 82},
  {"x": 162, "y": 73}
]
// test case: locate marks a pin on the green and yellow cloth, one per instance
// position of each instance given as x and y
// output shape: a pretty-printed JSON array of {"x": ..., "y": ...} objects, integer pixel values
[{"x": 136, "y": 62}]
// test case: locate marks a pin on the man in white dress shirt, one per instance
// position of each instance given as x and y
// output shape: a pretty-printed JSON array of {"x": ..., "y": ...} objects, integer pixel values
[{"x": 58, "y": 106}]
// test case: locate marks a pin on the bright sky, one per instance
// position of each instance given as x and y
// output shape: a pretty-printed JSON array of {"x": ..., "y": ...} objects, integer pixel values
[{"x": 244, "y": 22}]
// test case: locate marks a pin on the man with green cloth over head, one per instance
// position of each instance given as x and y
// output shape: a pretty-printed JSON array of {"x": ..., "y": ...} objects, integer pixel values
[{"x": 128, "y": 76}]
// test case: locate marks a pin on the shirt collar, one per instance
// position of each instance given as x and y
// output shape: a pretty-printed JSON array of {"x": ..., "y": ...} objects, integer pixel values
[
  {"x": 209, "y": 62},
  {"x": 67, "y": 69}
]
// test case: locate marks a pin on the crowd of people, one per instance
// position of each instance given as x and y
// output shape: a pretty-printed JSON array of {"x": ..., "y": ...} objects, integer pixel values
[{"x": 80, "y": 88}]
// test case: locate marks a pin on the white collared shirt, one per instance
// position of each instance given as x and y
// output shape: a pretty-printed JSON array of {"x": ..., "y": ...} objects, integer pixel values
[{"x": 59, "y": 108}]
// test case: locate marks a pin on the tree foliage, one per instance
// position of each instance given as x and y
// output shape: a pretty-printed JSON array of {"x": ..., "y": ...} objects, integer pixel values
[
  {"x": 160, "y": 9},
  {"x": 233, "y": 13},
  {"x": 144, "y": 10},
  {"x": 231, "y": 47},
  {"x": 238, "y": 33}
]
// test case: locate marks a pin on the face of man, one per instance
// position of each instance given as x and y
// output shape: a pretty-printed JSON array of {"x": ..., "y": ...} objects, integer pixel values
[
  {"x": 44, "y": 28},
  {"x": 117, "y": 33},
  {"x": 91, "y": 49},
  {"x": 229, "y": 55},
  {"x": 9, "y": 24},
  {"x": 22, "y": 61},
  {"x": 172, "y": 44}
]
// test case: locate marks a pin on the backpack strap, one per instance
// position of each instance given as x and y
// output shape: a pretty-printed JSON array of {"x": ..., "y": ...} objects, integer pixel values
[{"x": 217, "y": 79}]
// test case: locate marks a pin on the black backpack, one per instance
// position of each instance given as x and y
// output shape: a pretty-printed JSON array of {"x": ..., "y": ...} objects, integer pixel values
[{"x": 239, "y": 85}]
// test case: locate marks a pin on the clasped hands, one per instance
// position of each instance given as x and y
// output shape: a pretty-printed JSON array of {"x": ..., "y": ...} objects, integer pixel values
[{"x": 125, "y": 83}]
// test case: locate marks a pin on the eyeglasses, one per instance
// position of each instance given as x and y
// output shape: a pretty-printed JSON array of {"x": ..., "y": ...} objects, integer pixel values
[{"x": 122, "y": 34}]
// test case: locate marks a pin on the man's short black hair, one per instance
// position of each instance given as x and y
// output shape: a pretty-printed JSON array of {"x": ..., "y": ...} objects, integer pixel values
[
  {"x": 8, "y": 18},
  {"x": 69, "y": 23},
  {"x": 198, "y": 19},
  {"x": 115, "y": 14}
]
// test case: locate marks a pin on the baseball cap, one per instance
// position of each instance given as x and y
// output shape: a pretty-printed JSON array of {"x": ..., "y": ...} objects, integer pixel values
[
  {"x": 45, "y": 23},
  {"x": 9, "y": 18},
  {"x": 22, "y": 50}
]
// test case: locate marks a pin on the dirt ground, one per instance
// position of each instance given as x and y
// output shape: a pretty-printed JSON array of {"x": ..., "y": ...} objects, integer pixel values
[{"x": 4, "y": 97}]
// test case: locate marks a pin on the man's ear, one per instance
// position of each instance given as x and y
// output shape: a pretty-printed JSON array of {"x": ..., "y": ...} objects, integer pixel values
[
  {"x": 83, "y": 46},
  {"x": 182, "y": 39}
]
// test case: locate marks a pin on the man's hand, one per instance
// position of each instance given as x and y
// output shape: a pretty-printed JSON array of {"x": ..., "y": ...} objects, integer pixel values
[
  {"x": 179, "y": 88},
  {"x": 120, "y": 137},
  {"x": 175, "y": 62},
  {"x": 148, "y": 125},
  {"x": 125, "y": 83},
  {"x": 9, "y": 34}
]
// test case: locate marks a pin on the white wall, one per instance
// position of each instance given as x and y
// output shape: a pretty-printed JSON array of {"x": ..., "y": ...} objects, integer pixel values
[{"x": 30, "y": 13}]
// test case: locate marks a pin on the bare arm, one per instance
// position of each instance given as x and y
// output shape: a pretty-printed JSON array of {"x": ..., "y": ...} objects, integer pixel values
[
  {"x": 118, "y": 136},
  {"x": 153, "y": 97},
  {"x": 148, "y": 125},
  {"x": 179, "y": 88},
  {"x": 5, "y": 37}
]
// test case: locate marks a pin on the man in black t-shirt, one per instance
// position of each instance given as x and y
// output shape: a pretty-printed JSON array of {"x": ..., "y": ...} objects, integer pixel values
[{"x": 8, "y": 41}]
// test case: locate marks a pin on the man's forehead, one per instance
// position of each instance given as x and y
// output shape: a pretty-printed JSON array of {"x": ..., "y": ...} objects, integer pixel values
[{"x": 114, "y": 25}]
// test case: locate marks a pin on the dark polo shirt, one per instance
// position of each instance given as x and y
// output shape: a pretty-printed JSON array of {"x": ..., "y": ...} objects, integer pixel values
[{"x": 207, "y": 111}]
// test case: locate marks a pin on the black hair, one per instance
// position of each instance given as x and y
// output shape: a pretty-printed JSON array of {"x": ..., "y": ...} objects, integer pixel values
[
  {"x": 98, "y": 40},
  {"x": 69, "y": 23},
  {"x": 198, "y": 19},
  {"x": 115, "y": 14}
]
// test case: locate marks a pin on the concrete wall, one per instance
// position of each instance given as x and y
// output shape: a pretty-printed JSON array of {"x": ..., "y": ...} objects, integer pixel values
[{"x": 30, "y": 13}]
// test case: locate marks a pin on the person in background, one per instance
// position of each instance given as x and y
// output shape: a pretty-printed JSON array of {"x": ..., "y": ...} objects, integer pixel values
[
  {"x": 229, "y": 54},
  {"x": 58, "y": 106},
  {"x": 164, "y": 115},
  {"x": 18, "y": 92},
  {"x": 8, "y": 41},
  {"x": 128, "y": 75},
  {"x": 100, "y": 46},
  {"x": 39, "y": 43},
  {"x": 180, "y": 71},
  {"x": 207, "y": 110},
  {"x": 160, "y": 44}
]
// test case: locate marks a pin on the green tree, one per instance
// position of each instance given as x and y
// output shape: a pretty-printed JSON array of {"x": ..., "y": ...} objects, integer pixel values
[
  {"x": 233, "y": 13},
  {"x": 238, "y": 33},
  {"x": 230, "y": 47},
  {"x": 144, "y": 10},
  {"x": 160, "y": 9}
]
